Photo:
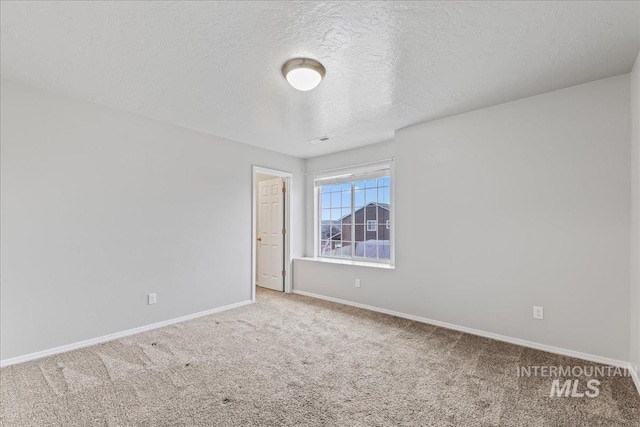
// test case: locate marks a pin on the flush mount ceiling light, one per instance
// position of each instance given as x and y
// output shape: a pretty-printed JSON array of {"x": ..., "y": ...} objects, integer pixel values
[{"x": 303, "y": 73}]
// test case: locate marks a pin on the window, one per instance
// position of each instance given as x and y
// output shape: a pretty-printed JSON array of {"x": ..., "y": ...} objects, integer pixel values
[{"x": 352, "y": 208}]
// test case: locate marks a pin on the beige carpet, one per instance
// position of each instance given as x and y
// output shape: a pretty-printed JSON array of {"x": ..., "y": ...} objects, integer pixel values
[{"x": 289, "y": 361}]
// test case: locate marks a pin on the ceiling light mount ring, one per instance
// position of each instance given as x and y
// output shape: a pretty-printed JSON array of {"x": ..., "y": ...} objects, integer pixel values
[{"x": 303, "y": 73}]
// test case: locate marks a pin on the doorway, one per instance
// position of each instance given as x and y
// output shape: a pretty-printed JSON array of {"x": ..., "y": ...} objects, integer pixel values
[{"x": 271, "y": 235}]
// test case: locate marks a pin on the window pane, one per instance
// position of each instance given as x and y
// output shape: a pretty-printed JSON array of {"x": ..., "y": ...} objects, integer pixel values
[
  {"x": 346, "y": 232},
  {"x": 361, "y": 231},
  {"x": 325, "y": 200},
  {"x": 371, "y": 196},
  {"x": 383, "y": 232},
  {"x": 345, "y": 250},
  {"x": 359, "y": 199},
  {"x": 371, "y": 231},
  {"x": 383, "y": 195},
  {"x": 372, "y": 249},
  {"x": 346, "y": 199},
  {"x": 384, "y": 250},
  {"x": 359, "y": 215},
  {"x": 370, "y": 213},
  {"x": 347, "y": 219},
  {"x": 336, "y": 200},
  {"x": 329, "y": 230},
  {"x": 367, "y": 249},
  {"x": 359, "y": 236}
]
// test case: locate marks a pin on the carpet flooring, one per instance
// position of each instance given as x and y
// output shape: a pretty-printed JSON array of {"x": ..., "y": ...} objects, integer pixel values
[{"x": 290, "y": 360}]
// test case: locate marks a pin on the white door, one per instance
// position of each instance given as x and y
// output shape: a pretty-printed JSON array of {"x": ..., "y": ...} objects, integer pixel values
[{"x": 271, "y": 234}]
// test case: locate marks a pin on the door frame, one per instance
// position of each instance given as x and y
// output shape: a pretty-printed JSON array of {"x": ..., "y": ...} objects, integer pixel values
[{"x": 288, "y": 176}]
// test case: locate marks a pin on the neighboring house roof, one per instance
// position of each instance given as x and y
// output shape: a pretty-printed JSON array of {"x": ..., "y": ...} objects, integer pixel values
[{"x": 380, "y": 205}]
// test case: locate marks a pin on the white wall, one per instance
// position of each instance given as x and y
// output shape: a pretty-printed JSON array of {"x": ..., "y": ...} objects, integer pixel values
[
  {"x": 635, "y": 215},
  {"x": 500, "y": 209},
  {"x": 100, "y": 207}
]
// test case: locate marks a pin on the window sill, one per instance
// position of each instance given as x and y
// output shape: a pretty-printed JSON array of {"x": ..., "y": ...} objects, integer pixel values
[{"x": 350, "y": 262}]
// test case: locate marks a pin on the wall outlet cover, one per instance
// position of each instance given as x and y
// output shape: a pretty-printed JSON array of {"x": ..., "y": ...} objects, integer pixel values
[
  {"x": 538, "y": 312},
  {"x": 151, "y": 299}
]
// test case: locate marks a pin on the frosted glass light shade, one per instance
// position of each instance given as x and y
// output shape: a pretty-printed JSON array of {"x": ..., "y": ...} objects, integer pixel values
[{"x": 303, "y": 73}]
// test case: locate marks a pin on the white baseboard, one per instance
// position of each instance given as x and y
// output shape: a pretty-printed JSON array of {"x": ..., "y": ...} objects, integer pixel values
[
  {"x": 517, "y": 341},
  {"x": 636, "y": 376},
  {"x": 116, "y": 335}
]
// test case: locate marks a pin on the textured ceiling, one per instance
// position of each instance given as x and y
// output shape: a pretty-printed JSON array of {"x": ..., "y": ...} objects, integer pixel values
[{"x": 215, "y": 66}]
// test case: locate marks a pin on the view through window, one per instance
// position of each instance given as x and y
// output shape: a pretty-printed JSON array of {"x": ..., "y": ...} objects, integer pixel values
[{"x": 354, "y": 213}]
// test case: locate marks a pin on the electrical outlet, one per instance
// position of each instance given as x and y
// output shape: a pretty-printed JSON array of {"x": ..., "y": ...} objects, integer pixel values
[
  {"x": 152, "y": 299},
  {"x": 357, "y": 283},
  {"x": 538, "y": 312}
]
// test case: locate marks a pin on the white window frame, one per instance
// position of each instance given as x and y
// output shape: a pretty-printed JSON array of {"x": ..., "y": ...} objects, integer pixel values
[
  {"x": 372, "y": 224},
  {"x": 361, "y": 261}
]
